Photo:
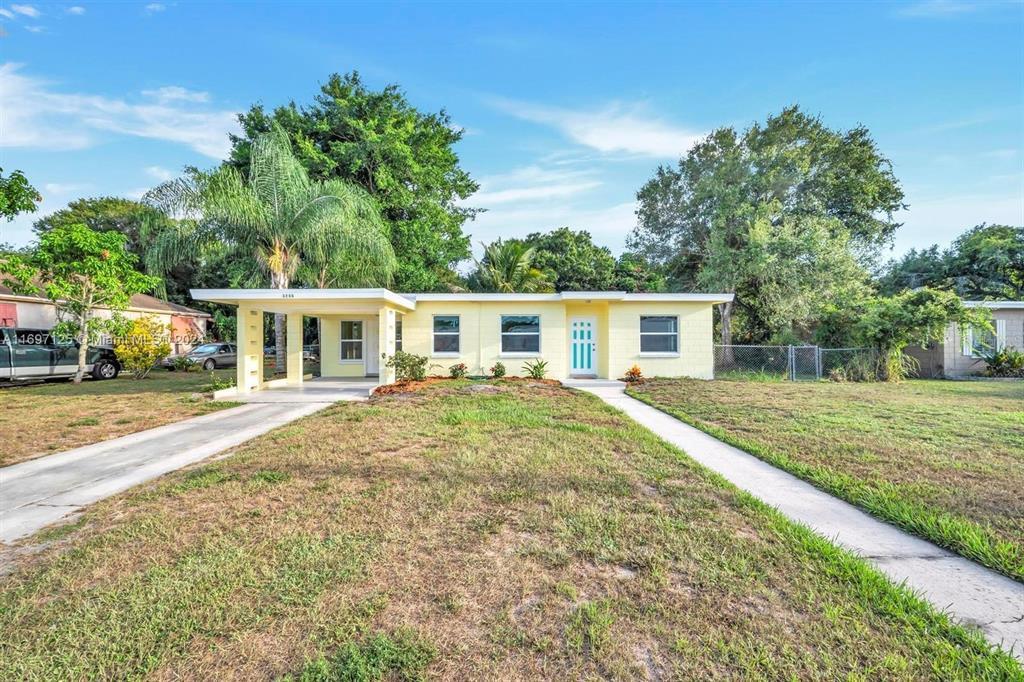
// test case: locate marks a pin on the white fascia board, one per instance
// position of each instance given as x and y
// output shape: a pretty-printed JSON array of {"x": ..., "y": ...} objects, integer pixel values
[
  {"x": 576, "y": 296},
  {"x": 236, "y": 295},
  {"x": 998, "y": 305},
  {"x": 484, "y": 297},
  {"x": 696, "y": 298}
]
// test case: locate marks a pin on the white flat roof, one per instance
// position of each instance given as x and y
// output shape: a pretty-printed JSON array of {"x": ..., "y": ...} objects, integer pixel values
[
  {"x": 408, "y": 301},
  {"x": 995, "y": 304}
]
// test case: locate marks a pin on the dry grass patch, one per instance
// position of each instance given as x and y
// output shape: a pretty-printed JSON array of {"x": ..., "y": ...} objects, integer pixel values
[
  {"x": 944, "y": 459},
  {"x": 532, "y": 533},
  {"x": 46, "y": 418}
]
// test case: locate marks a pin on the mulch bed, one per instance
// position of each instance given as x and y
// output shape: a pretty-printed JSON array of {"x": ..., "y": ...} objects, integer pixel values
[{"x": 413, "y": 386}]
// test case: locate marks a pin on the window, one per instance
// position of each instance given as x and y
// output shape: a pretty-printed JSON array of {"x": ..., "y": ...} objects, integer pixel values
[
  {"x": 659, "y": 334},
  {"x": 398, "y": 335},
  {"x": 351, "y": 341},
  {"x": 978, "y": 342},
  {"x": 520, "y": 333},
  {"x": 446, "y": 334}
]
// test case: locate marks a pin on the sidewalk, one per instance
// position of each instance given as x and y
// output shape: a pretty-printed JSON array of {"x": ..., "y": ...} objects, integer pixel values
[{"x": 969, "y": 592}]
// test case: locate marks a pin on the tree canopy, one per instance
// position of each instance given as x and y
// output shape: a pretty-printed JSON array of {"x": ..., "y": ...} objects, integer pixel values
[
  {"x": 783, "y": 214},
  {"x": 985, "y": 262},
  {"x": 17, "y": 195},
  {"x": 509, "y": 267},
  {"x": 404, "y": 158}
]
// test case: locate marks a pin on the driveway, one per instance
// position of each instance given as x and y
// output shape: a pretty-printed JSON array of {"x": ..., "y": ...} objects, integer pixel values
[
  {"x": 38, "y": 492},
  {"x": 967, "y": 591}
]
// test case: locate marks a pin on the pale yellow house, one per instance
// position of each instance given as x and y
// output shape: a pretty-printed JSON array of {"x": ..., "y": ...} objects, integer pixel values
[{"x": 588, "y": 334}]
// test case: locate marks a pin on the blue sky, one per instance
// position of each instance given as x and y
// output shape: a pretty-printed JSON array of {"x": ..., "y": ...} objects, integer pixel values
[{"x": 567, "y": 108}]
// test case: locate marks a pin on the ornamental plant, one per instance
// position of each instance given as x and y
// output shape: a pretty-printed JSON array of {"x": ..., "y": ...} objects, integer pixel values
[
  {"x": 633, "y": 374},
  {"x": 143, "y": 345},
  {"x": 458, "y": 371},
  {"x": 408, "y": 366},
  {"x": 498, "y": 371},
  {"x": 535, "y": 369}
]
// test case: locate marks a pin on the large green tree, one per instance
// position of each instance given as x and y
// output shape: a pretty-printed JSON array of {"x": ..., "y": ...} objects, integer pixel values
[
  {"x": 140, "y": 224},
  {"x": 16, "y": 195},
  {"x": 508, "y": 268},
  {"x": 573, "y": 259},
  {"x": 274, "y": 223},
  {"x": 80, "y": 271},
  {"x": 404, "y": 158},
  {"x": 791, "y": 195},
  {"x": 985, "y": 262}
]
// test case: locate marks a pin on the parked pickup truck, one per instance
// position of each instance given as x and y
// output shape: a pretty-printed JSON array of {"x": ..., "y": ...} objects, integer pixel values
[{"x": 27, "y": 354}]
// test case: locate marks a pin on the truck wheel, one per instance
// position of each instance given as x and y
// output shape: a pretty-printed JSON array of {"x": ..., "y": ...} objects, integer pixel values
[
  {"x": 104, "y": 369},
  {"x": 209, "y": 365}
]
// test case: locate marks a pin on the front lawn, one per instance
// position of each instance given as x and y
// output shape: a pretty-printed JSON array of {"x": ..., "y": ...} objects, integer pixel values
[
  {"x": 45, "y": 418},
  {"x": 943, "y": 459},
  {"x": 466, "y": 531}
]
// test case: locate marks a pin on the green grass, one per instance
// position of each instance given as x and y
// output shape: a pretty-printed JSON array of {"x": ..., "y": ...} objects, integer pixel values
[
  {"x": 942, "y": 459},
  {"x": 42, "y": 419},
  {"x": 532, "y": 532}
]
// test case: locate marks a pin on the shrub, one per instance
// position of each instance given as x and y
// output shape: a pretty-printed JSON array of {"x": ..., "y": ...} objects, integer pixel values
[
  {"x": 535, "y": 369},
  {"x": 458, "y": 371},
  {"x": 498, "y": 371},
  {"x": 144, "y": 344},
  {"x": 217, "y": 383},
  {"x": 1008, "y": 362},
  {"x": 408, "y": 366},
  {"x": 183, "y": 363},
  {"x": 633, "y": 374}
]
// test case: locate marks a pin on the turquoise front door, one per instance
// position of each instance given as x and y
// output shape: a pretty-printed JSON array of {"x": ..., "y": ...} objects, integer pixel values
[{"x": 584, "y": 346}]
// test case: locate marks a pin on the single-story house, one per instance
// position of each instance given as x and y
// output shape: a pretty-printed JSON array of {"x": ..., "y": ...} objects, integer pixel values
[
  {"x": 35, "y": 311},
  {"x": 960, "y": 355},
  {"x": 594, "y": 334}
]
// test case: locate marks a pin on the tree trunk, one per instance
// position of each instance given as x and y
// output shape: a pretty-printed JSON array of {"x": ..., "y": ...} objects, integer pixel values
[
  {"x": 279, "y": 281},
  {"x": 83, "y": 346},
  {"x": 725, "y": 311}
]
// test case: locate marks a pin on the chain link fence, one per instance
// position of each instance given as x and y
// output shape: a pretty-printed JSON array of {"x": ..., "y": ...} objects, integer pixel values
[{"x": 790, "y": 363}]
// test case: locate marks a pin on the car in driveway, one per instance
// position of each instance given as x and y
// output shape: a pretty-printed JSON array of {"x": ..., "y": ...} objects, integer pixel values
[
  {"x": 208, "y": 356},
  {"x": 36, "y": 354}
]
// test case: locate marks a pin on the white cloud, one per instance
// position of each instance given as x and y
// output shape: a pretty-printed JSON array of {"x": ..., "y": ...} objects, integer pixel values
[
  {"x": 75, "y": 9},
  {"x": 6, "y": 13},
  {"x": 155, "y": 7},
  {"x": 34, "y": 29},
  {"x": 531, "y": 183},
  {"x": 34, "y": 115},
  {"x": 613, "y": 128},
  {"x": 27, "y": 10},
  {"x": 176, "y": 93},
  {"x": 159, "y": 173},
  {"x": 937, "y": 8},
  {"x": 63, "y": 188}
]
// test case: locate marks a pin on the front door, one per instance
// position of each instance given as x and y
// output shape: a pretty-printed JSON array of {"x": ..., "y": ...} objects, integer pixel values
[{"x": 583, "y": 346}]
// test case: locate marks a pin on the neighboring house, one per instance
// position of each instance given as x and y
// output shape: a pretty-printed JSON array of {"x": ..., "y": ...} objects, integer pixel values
[
  {"x": 960, "y": 355},
  {"x": 596, "y": 334},
  {"x": 188, "y": 325}
]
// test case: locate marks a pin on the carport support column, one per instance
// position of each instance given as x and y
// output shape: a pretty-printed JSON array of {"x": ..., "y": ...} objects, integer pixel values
[
  {"x": 249, "y": 340},
  {"x": 294, "y": 349},
  {"x": 386, "y": 341}
]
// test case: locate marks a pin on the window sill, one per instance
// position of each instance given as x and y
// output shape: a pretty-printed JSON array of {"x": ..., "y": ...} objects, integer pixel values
[
  {"x": 519, "y": 355},
  {"x": 660, "y": 355},
  {"x": 350, "y": 362},
  {"x": 446, "y": 355}
]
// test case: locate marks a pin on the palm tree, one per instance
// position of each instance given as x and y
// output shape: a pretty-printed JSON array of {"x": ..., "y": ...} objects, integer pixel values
[
  {"x": 275, "y": 223},
  {"x": 507, "y": 267}
]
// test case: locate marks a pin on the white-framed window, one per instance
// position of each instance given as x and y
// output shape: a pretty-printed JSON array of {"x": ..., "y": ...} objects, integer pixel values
[
  {"x": 352, "y": 340},
  {"x": 977, "y": 342},
  {"x": 659, "y": 334},
  {"x": 398, "y": 334},
  {"x": 520, "y": 334},
  {"x": 446, "y": 335}
]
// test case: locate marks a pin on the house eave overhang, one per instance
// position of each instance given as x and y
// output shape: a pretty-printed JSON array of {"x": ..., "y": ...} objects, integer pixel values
[{"x": 996, "y": 305}]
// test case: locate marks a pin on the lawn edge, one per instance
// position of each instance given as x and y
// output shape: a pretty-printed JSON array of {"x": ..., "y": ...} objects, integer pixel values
[{"x": 946, "y": 530}]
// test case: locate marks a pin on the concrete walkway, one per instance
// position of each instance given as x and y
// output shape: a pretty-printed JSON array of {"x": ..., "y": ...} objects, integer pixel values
[
  {"x": 38, "y": 492},
  {"x": 967, "y": 591}
]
